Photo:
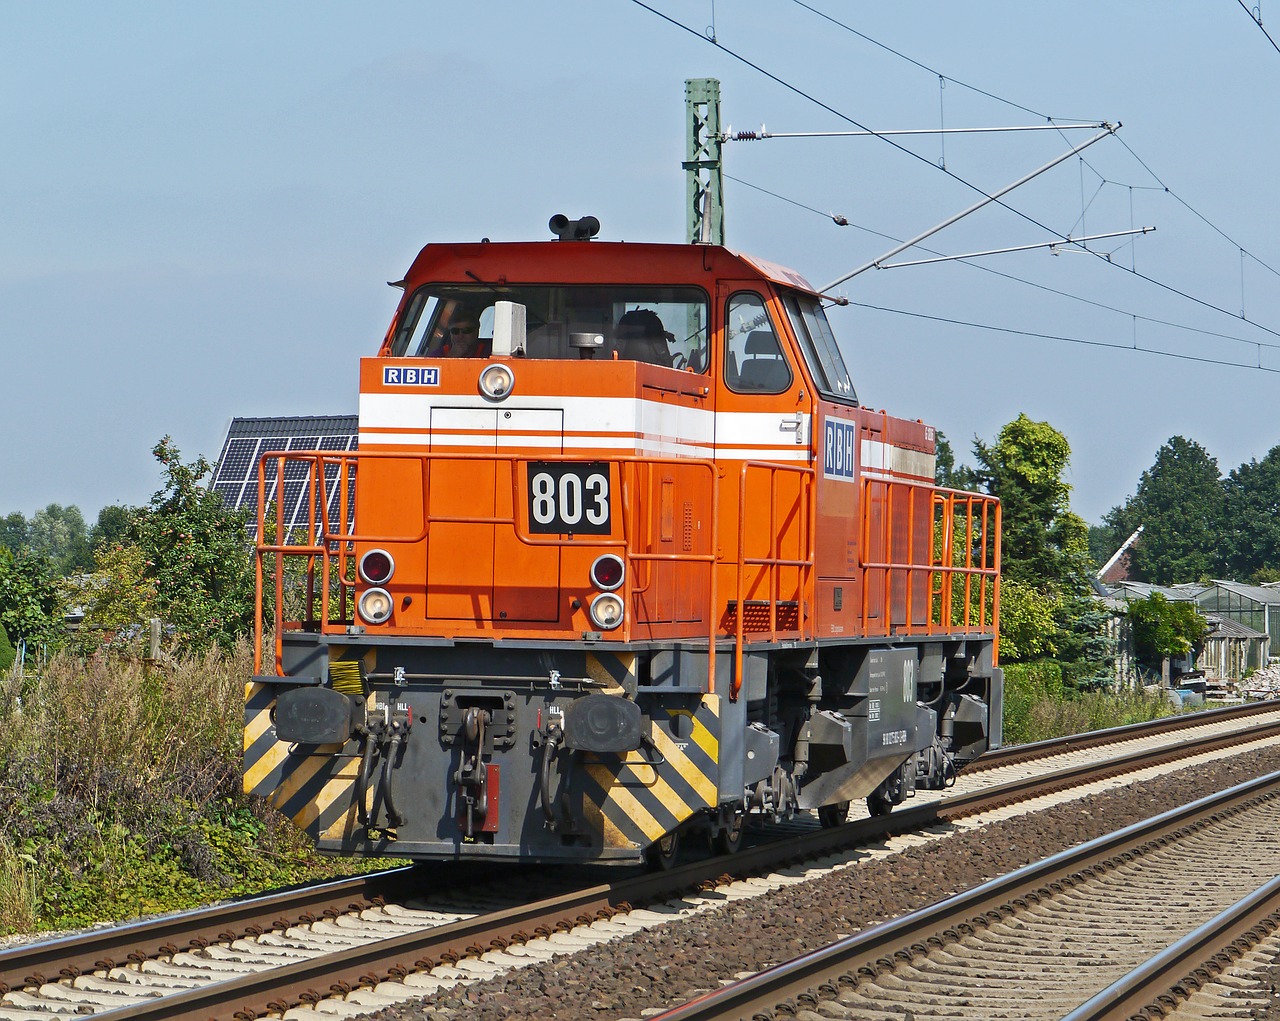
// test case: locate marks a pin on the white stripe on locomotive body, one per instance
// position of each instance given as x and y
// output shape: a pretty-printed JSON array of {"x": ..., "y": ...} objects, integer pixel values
[
  {"x": 588, "y": 424},
  {"x": 883, "y": 459}
]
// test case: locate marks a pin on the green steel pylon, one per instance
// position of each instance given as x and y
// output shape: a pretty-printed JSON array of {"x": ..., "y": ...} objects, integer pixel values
[{"x": 704, "y": 191}]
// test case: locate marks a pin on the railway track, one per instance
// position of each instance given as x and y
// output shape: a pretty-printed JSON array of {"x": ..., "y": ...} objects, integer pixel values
[
  {"x": 348, "y": 940},
  {"x": 1084, "y": 935}
]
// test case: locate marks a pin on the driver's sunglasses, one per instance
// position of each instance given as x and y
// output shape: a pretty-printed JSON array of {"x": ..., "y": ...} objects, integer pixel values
[{"x": 463, "y": 329}]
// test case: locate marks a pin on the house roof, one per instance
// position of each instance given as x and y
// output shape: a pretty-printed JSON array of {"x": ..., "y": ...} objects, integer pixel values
[
  {"x": 1258, "y": 593},
  {"x": 236, "y": 476},
  {"x": 1141, "y": 590},
  {"x": 1227, "y": 627}
]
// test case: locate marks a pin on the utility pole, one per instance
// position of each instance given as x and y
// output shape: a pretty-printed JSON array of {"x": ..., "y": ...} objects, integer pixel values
[{"x": 704, "y": 191}]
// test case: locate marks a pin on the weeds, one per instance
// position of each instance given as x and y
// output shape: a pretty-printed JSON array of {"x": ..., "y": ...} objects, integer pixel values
[
  {"x": 1038, "y": 705},
  {"x": 120, "y": 794}
]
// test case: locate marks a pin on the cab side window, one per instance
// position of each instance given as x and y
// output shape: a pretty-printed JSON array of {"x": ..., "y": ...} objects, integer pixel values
[{"x": 753, "y": 358}]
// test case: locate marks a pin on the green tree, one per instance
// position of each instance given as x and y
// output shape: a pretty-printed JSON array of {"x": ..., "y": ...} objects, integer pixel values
[
  {"x": 13, "y": 532},
  {"x": 1101, "y": 544},
  {"x": 1046, "y": 605},
  {"x": 1164, "y": 628},
  {"x": 112, "y": 526},
  {"x": 1182, "y": 503},
  {"x": 1251, "y": 533},
  {"x": 31, "y": 605},
  {"x": 946, "y": 472},
  {"x": 7, "y": 652},
  {"x": 944, "y": 460},
  {"x": 1028, "y": 622},
  {"x": 1025, "y": 468},
  {"x": 118, "y": 599},
  {"x": 197, "y": 556},
  {"x": 60, "y": 534}
]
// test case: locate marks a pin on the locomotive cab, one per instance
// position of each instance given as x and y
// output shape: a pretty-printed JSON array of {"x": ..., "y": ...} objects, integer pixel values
[{"x": 620, "y": 556}]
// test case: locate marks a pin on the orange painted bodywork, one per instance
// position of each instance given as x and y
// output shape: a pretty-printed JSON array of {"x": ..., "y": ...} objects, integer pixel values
[{"x": 737, "y": 520}]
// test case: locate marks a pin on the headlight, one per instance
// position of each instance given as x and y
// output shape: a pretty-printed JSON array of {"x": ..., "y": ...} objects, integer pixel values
[
  {"x": 375, "y": 605},
  {"x": 377, "y": 566},
  {"x": 607, "y": 572},
  {"x": 606, "y": 611},
  {"x": 497, "y": 381}
]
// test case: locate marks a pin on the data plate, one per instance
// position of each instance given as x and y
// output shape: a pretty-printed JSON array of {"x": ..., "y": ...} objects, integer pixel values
[{"x": 569, "y": 497}]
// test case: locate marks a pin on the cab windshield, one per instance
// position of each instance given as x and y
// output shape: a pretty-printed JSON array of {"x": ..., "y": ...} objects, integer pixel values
[
  {"x": 818, "y": 343},
  {"x": 658, "y": 325}
]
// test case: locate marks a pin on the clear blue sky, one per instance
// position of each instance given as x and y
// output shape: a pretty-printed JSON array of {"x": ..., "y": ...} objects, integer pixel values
[{"x": 202, "y": 203}]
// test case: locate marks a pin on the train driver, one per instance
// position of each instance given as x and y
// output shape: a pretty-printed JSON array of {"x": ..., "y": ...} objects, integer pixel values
[
  {"x": 462, "y": 336},
  {"x": 642, "y": 337}
]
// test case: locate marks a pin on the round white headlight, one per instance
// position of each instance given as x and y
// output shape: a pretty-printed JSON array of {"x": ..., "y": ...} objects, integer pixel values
[
  {"x": 497, "y": 381},
  {"x": 607, "y": 611},
  {"x": 375, "y": 605}
]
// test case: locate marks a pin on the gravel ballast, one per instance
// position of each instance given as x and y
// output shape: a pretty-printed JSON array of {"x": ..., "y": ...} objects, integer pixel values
[{"x": 670, "y": 964}]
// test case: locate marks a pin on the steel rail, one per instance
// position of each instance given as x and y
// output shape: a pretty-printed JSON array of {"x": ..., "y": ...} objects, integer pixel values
[
  {"x": 307, "y": 982},
  {"x": 1058, "y": 745},
  {"x": 34, "y": 964},
  {"x": 876, "y": 947},
  {"x": 1184, "y": 962},
  {"x": 71, "y": 956}
]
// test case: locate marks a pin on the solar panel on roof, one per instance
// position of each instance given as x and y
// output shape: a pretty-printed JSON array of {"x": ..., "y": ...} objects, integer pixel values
[{"x": 235, "y": 478}]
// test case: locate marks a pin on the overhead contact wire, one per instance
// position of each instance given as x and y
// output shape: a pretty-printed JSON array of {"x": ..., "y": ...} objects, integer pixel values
[
  {"x": 933, "y": 70},
  {"x": 1258, "y": 21},
  {"x": 1068, "y": 340},
  {"x": 848, "y": 119},
  {"x": 960, "y": 180},
  {"x": 844, "y": 222},
  {"x": 1085, "y": 162}
]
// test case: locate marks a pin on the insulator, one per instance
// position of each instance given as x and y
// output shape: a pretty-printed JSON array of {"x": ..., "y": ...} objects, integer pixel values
[{"x": 746, "y": 136}]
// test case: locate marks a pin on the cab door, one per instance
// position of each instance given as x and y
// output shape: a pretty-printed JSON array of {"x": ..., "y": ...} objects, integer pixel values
[{"x": 763, "y": 434}]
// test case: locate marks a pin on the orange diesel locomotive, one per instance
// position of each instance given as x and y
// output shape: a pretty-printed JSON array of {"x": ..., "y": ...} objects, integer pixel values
[{"x": 621, "y": 557}]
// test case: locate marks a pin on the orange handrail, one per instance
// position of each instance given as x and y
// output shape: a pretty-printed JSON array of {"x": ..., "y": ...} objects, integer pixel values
[
  {"x": 773, "y": 561},
  {"x": 980, "y": 515},
  {"x": 326, "y": 542}
]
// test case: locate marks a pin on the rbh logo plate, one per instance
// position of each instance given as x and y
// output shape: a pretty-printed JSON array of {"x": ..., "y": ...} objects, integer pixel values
[
  {"x": 838, "y": 454},
  {"x": 406, "y": 375}
]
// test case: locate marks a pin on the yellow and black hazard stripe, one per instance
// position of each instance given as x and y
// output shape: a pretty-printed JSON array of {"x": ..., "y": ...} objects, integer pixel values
[
  {"x": 313, "y": 785},
  {"x": 615, "y": 672},
  {"x": 635, "y": 799}
]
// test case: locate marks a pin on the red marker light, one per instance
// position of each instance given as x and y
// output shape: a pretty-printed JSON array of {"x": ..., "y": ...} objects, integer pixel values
[{"x": 607, "y": 572}]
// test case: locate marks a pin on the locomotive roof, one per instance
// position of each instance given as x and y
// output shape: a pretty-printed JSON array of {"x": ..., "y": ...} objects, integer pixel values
[{"x": 592, "y": 262}]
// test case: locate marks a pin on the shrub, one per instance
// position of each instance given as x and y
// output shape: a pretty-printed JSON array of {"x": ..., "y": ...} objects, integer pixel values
[
  {"x": 120, "y": 794},
  {"x": 1039, "y": 704}
]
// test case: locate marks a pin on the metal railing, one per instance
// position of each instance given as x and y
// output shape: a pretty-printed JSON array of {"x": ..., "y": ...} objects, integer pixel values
[
  {"x": 327, "y": 548},
  {"x": 801, "y": 511},
  {"x": 962, "y": 534},
  {"x": 958, "y": 573}
]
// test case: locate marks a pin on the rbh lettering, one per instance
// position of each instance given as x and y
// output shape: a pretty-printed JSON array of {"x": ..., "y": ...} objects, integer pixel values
[
  {"x": 397, "y": 375},
  {"x": 839, "y": 438}
]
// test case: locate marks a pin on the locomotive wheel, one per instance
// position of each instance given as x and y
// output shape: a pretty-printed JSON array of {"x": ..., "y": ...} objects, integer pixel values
[
  {"x": 663, "y": 854},
  {"x": 879, "y": 805},
  {"x": 729, "y": 839},
  {"x": 833, "y": 815}
]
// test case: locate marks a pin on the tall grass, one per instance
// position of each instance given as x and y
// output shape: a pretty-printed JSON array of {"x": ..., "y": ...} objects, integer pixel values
[
  {"x": 120, "y": 793},
  {"x": 1038, "y": 705}
]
